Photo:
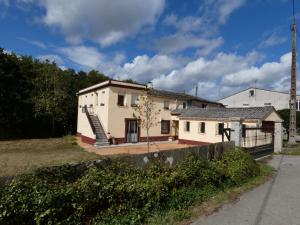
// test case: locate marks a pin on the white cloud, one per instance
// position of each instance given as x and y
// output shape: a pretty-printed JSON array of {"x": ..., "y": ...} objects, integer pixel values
[
  {"x": 198, "y": 31},
  {"x": 33, "y": 42},
  {"x": 226, "y": 7},
  {"x": 266, "y": 75},
  {"x": 212, "y": 14},
  {"x": 52, "y": 58},
  {"x": 89, "y": 58},
  {"x": 144, "y": 68},
  {"x": 216, "y": 77},
  {"x": 272, "y": 40},
  {"x": 103, "y": 21},
  {"x": 179, "y": 42}
]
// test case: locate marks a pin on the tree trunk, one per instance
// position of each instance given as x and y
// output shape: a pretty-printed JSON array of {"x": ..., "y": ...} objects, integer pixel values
[{"x": 148, "y": 141}]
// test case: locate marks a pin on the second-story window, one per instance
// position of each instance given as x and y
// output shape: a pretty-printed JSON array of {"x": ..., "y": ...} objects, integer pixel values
[
  {"x": 121, "y": 99},
  {"x": 184, "y": 105},
  {"x": 134, "y": 100},
  {"x": 251, "y": 93},
  {"x": 166, "y": 105}
]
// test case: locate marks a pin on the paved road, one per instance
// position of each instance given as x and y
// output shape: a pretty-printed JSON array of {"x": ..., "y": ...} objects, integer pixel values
[{"x": 276, "y": 202}]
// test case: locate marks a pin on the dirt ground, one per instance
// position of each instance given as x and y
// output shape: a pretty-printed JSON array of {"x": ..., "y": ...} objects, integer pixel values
[
  {"x": 22, "y": 156},
  {"x": 131, "y": 148}
]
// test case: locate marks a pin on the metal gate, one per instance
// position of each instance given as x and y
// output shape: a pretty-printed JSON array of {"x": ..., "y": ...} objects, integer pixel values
[{"x": 258, "y": 141}]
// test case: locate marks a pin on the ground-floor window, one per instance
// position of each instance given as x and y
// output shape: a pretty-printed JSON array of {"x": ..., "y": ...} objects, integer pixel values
[
  {"x": 201, "y": 128},
  {"x": 165, "y": 126},
  {"x": 187, "y": 126},
  {"x": 220, "y": 128}
]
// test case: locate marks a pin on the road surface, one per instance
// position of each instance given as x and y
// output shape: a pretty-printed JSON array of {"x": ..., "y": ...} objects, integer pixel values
[{"x": 276, "y": 202}]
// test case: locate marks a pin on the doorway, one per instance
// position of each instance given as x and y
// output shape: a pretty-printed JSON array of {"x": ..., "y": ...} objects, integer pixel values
[{"x": 131, "y": 131}]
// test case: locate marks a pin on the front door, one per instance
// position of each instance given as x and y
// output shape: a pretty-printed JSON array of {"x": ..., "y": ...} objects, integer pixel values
[{"x": 131, "y": 131}]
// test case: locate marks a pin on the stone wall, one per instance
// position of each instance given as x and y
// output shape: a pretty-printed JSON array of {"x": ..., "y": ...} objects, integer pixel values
[{"x": 207, "y": 152}]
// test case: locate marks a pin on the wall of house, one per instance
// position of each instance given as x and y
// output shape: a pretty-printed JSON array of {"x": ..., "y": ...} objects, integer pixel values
[
  {"x": 260, "y": 98},
  {"x": 210, "y": 136},
  {"x": 97, "y": 103},
  {"x": 118, "y": 114},
  {"x": 84, "y": 129},
  {"x": 194, "y": 136}
]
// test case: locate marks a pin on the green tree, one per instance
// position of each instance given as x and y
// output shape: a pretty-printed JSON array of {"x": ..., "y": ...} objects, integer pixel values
[{"x": 147, "y": 114}]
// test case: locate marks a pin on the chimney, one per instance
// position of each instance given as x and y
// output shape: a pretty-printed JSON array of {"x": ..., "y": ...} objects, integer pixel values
[
  {"x": 196, "y": 91},
  {"x": 150, "y": 85}
]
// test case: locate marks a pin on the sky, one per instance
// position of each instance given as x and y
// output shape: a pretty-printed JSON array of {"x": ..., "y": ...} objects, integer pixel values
[{"x": 221, "y": 46}]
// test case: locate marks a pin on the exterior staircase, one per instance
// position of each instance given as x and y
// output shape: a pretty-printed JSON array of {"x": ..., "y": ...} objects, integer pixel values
[{"x": 101, "y": 139}]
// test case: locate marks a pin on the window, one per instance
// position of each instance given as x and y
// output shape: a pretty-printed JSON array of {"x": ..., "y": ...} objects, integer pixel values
[
  {"x": 166, "y": 105},
  {"x": 102, "y": 98},
  {"x": 96, "y": 98},
  {"x": 268, "y": 104},
  {"x": 251, "y": 93},
  {"x": 298, "y": 105},
  {"x": 220, "y": 128},
  {"x": 165, "y": 126},
  {"x": 134, "y": 99},
  {"x": 245, "y": 104},
  {"x": 187, "y": 126},
  {"x": 201, "y": 127},
  {"x": 204, "y": 105},
  {"x": 121, "y": 99},
  {"x": 184, "y": 105},
  {"x": 243, "y": 130}
]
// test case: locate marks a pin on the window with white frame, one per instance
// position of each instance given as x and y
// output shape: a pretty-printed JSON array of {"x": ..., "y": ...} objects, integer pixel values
[
  {"x": 187, "y": 126},
  {"x": 165, "y": 126},
  {"x": 121, "y": 100},
  {"x": 134, "y": 100},
  {"x": 201, "y": 128}
]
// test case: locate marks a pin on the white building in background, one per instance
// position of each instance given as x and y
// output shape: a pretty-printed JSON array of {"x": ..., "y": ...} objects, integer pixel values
[{"x": 257, "y": 97}]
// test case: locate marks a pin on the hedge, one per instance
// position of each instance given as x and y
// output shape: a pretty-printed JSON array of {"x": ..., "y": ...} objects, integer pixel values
[{"x": 119, "y": 193}]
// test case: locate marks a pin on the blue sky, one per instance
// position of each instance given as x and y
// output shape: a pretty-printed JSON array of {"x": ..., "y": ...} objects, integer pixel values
[{"x": 220, "y": 45}]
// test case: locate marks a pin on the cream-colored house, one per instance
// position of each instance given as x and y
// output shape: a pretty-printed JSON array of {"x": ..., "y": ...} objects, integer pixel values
[
  {"x": 107, "y": 110},
  {"x": 200, "y": 126}
]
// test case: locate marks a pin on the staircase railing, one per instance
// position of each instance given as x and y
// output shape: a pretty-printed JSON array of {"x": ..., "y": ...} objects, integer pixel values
[{"x": 85, "y": 110}]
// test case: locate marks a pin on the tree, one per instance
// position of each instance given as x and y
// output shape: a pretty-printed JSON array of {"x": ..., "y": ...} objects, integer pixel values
[{"x": 147, "y": 114}]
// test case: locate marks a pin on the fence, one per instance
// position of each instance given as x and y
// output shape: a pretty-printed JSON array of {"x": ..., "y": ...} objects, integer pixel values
[{"x": 258, "y": 141}]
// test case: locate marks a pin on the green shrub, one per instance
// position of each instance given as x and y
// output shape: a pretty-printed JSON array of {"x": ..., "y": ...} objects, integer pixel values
[
  {"x": 238, "y": 166},
  {"x": 118, "y": 193}
]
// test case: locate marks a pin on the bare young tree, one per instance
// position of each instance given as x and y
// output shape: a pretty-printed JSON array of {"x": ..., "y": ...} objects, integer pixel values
[{"x": 147, "y": 114}]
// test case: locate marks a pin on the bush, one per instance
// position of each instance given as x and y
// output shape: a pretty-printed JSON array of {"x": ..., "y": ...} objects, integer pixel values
[
  {"x": 238, "y": 166},
  {"x": 118, "y": 193}
]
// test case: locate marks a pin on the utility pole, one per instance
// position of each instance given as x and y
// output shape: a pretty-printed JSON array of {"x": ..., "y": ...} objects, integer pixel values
[{"x": 292, "y": 128}]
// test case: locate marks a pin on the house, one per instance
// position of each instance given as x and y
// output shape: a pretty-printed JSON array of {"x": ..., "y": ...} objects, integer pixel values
[
  {"x": 257, "y": 97},
  {"x": 107, "y": 110},
  {"x": 205, "y": 125}
]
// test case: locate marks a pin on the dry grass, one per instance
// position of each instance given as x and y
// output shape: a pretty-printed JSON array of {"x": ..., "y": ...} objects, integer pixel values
[{"x": 21, "y": 156}]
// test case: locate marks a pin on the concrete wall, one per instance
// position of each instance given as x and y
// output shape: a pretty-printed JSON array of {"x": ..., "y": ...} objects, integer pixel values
[
  {"x": 211, "y": 131},
  {"x": 261, "y": 98},
  {"x": 171, "y": 157}
]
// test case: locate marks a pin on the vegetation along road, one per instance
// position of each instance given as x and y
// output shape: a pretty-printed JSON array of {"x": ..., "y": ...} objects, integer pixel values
[{"x": 275, "y": 203}]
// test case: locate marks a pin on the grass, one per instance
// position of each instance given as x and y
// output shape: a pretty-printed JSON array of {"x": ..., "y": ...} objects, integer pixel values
[
  {"x": 291, "y": 150},
  {"x": 210, "y": 203},
  {"x": 22, "y": 156}
]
